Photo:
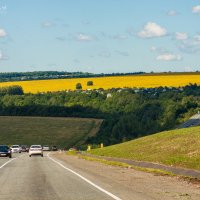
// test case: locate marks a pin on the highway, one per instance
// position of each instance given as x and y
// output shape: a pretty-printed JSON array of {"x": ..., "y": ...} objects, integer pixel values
[
  {"x": 38, "y": 178},
  {"x": 69, "y": 178}
]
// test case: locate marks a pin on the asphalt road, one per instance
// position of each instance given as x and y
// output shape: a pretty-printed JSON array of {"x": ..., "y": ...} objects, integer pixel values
[
  {"x": 62, "y": 177},
  {"x": 38, "y": 178}
]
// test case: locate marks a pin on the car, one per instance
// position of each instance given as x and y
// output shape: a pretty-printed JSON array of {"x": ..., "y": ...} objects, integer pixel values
[
  {"x": 54, "y": 148},
  {"x": 73, "y": 149},
  {"x": 35, "y": 150},
  {"x": 25, "y": 148},
  {"x": 5, "y": 151},
  {"x": 16, "y": 149},
  {"x": 46, "y": 148}
]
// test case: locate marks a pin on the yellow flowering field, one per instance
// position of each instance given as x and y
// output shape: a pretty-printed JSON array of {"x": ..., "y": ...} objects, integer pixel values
[{"x": 147, "y": 81}]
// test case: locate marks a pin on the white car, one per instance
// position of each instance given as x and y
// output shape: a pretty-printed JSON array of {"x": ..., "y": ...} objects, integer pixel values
[
  {"x": 35, "y": 150},
  {"x": 46, "y": 148},
  {"x": 16, "y": 149}
]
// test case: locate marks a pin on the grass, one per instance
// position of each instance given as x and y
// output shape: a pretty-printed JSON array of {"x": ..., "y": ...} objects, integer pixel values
[
  {"x": 147, "y": 81},
  {"x": 179, "y": 148},
  {"x": 63, "y": 132},
  {"x": 124, "y": 165}
]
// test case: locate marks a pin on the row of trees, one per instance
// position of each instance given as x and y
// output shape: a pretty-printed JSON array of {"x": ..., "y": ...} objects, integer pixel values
[
  {"x": 127, "y": 114},
  {"x": 79, "y": 85},
  {"x": 41, "y": 75}
]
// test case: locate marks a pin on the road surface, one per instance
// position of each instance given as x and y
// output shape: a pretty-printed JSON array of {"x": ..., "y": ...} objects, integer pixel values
[{"x": 69, "y": 178}]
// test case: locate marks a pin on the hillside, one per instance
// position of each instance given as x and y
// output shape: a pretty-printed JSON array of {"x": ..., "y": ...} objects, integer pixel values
[
  {"x": 177, "y": 148},
  {"x": 138, "y": 81},
  {"x": 63, "y": 132}
]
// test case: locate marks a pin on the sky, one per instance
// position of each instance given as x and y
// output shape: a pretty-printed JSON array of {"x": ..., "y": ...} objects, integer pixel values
[{"x": 100, "y": 36}]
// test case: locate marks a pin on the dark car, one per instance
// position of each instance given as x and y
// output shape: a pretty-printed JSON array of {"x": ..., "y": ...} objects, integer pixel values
[
  {"x": 5, "y": 151},
  {"x": 25, "y": 148},
  {"x": 54, "y": 148}
]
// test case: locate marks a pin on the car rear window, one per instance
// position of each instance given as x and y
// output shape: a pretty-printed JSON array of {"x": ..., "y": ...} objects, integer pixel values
[
  {"x": 35, "y": 147},
  {"x": 15, "y": 146},
  {"x": 3, "y": 148}
]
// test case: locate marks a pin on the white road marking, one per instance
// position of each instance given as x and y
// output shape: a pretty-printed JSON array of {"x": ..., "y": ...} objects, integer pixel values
[
  {"x": 7, "y": 163},
  {"x": 10, "y": 161},
  {"x": 85, "y": 179}
]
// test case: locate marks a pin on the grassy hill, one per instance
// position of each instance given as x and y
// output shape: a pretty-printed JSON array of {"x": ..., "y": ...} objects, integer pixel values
[
  {"x": 177, "y": 148},
  {"x": 63, "y": 132}
]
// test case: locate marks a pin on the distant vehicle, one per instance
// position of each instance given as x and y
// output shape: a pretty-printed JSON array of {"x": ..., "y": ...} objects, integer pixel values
[
  {"x": 16, "y": 149},
  {"x": 5, "y": 151},
  {"x": 73, "y": 149},
  {"x": 46, "y": 148},
  {"x": 25, "y": 148},
  {"x": 35, "y": 150},
  {"x": 54, "y": 148}
]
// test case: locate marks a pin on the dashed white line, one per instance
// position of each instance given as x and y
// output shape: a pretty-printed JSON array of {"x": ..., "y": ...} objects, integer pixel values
[{"x": 85, "y": 179}]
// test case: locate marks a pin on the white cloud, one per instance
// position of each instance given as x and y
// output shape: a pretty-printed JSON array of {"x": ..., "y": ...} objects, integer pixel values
[
  {"x": 2, "y": 56},
  {"x": 84, "y": 37},
  {"x": 181, "y": 36},
  {"x": 196, "y": 9},
  {"x": 159, "y": 50},
  {"x": 152, "y": 30},
  {"x": 153, "y": 48},
  {"x": 169, "y": 57},
  {"x": 172, "y": 13},
  {"x": 2, "y": 33},
  {"x": 120, "y": 37},
  {"x": 105, "y": 54},
  {"x": 47, "y": 24},
  {"x": 197, "y": 38},
  {"x": 190, "y": 46},
  {"x": 122, "y": 53}
]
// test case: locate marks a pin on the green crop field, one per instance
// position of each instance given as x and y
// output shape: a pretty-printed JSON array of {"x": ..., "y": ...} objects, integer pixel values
[
  {"x": 177, "y": 148},
  {"x": 63, "y": 132}
]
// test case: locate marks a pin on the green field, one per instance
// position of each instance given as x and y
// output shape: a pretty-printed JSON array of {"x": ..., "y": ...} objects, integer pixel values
[
  {"x": 176, "y": 148},
  {"x": 63, "y": 132}
]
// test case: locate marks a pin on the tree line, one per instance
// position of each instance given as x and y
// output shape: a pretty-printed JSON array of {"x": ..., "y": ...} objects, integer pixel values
[
  {"x": 127, "y": 113},
  {"x": 43, "y": 75}
]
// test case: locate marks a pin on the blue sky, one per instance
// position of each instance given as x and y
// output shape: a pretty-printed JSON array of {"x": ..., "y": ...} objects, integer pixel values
[{"x": 100, "y": 36}]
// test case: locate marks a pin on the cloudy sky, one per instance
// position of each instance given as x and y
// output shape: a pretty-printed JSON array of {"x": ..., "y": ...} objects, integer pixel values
[{"x": 100, "y": 36}]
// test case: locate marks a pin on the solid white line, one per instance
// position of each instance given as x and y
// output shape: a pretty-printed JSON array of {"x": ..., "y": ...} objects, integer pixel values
[
  {"x": 10, "y": 161},
  {"x": 85, "y": 179},
  {"x": 7, "y": 163}
]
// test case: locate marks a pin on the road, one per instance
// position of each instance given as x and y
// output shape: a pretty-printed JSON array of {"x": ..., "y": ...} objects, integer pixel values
[{"x": 68, "y": 178}]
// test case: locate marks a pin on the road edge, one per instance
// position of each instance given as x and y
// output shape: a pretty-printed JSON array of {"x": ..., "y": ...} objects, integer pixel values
[{"x": 85, "y": 179}]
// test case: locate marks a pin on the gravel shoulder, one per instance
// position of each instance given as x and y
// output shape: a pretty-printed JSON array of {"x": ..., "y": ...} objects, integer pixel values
[{"x": 130, "y": 184}]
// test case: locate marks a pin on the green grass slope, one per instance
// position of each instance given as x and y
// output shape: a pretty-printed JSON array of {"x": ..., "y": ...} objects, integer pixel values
[
  {"x": 63, "y": 132},
  {"x": 177, "y": 148}
]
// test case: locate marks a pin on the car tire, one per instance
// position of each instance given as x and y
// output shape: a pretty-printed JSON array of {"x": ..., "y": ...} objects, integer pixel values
[
  {"x": 10, "y": 156},
  {"x": 29, "y": 155},
  {"x": 41, "y": 155}
]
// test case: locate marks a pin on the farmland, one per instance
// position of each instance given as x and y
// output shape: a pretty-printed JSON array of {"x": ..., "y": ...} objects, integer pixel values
[
  {"x": 63, "y": 132},
  {"x": 138, "y": 81}
]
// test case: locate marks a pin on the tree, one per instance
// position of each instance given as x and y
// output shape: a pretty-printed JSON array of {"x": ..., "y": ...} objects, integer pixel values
[
  {"x": 89, "y": 83},
  {"x": 78, "y": 86}
]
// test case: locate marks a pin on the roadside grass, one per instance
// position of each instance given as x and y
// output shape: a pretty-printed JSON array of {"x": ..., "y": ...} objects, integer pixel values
[
  {"x": 180, "y": 148},
  {"x": 63, "y": 132},
  {"x": 155, "y": 172},
  {"x": 124, "y": 165}
]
